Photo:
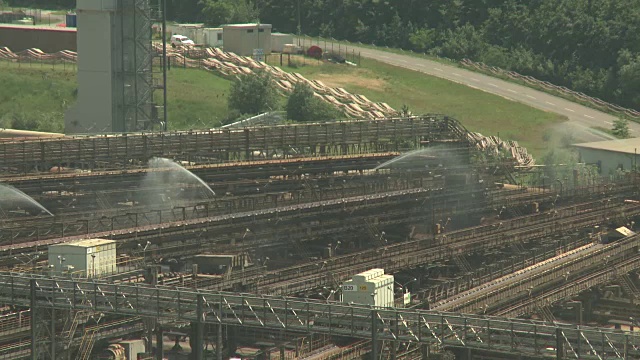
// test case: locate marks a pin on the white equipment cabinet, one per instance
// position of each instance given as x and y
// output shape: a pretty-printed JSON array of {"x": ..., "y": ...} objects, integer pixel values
[
  {"x": 85, "y": 258},
  {"x": 371, "y": 287}
]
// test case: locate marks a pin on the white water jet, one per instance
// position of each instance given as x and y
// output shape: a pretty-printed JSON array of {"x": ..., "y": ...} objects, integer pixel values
[
  {"x": 406, "y": 156},
  {"x": 12, "y": 196},
  {"x": 162, "y": 163}
]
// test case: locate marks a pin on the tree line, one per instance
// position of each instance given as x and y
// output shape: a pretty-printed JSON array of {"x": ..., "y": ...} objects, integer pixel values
[{"x": 591, "y": 46}]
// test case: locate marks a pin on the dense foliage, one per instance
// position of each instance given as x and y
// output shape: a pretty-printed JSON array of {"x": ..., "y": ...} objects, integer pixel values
[
  {"x": 302, "y": 105},
  {"x": 253, "y": 95},
  {"x": 588, "y": 45}
]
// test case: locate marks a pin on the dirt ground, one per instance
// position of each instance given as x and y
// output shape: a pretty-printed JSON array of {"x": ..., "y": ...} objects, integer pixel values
[{"x": 341, "y": 80}]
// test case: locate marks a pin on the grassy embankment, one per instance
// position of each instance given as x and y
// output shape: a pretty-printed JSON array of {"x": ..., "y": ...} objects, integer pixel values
[
  {"x": 198, "y": 100},
  {"x": 477, "y": 110},
  {"x": 35, "y": 97}
]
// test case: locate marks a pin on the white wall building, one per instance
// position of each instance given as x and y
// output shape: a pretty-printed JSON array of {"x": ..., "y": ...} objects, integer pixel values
[
  {"x": 246, "y": 39},
  {"x": 85, "y": 258},
  {"x": 279, "y": 40},
  {"x": 371, "y": 287},
  {"x": 611, "y": 155},
  {"x": 213, "y": 37}
]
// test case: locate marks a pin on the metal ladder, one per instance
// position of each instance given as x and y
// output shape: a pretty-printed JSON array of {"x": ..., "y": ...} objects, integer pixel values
[
  {"x": 462, "y": 263},
  {"x": 86, "y": 344},
  {"x": 628, "y": 286},
  {"x": 70, "y": 326},
  {"x": 545, "y": 312}
]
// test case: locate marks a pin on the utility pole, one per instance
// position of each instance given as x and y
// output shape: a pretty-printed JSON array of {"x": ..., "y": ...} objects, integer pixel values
[
  {"x": 299, "y": 23},
  {"x": 164, "y": 64}
]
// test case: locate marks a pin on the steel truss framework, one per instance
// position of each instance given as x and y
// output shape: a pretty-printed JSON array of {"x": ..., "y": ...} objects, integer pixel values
[
  {"x": 545, "y": 275},
  {"x": 272, "y": 224},
  {"x": 318, "y": 139},
  {"x": 203, "y": 213},
  {"x": 45, "y": 227},
  {"x": 281, "y": 313},
  {"x": 414, "y": 253}
]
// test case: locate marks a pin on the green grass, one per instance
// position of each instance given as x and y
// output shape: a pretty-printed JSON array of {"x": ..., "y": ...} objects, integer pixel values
[
  {"x": 35, "y": 96},
  {"x": 198, "y": 99},
  {"x": 477, "y": 110},
  {"x": 344, "y": 44}
]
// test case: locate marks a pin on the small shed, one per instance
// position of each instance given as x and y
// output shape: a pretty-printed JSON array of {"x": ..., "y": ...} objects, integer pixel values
[
  {"x": 247, "y": 39},
  {"x": 279, "y": 40},
  {"x": 611, "y": 155}
]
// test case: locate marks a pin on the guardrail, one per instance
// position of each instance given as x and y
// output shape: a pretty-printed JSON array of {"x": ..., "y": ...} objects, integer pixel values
[
  {"x": 529, "y": 80},
  {"x": 479, "y": 66}
]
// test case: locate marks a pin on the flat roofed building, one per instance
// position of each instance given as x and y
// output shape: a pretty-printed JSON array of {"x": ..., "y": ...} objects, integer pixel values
[
  {"x": 84, "y": 258},
  {"x": 611, "y": 155},
  {"x": 246, "y": 39}
]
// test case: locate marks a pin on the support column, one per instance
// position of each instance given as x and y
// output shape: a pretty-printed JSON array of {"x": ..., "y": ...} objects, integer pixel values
[
  {"x": 559, "y": 344},
  {"x": 53, "y": 333},
  {"x": 219, "y": 342},
  {"x": 34, "y": 323},
  {"x": 159, "y": 342},
  {"x": 393, "y": 350},
  {"x": 374, "y": 335},
  {"x": 198, "y": 331},
  {"x": 149, "y": 330},
  {"x": 425, "y": 351}
]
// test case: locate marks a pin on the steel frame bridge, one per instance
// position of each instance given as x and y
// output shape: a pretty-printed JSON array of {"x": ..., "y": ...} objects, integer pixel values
[
  {"x": 222, "y": 145},
  {"x": 429, "y": 328}
]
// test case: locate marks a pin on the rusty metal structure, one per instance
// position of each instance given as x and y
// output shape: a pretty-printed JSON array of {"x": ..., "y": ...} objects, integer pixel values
[{"x": 495, "y": 269}]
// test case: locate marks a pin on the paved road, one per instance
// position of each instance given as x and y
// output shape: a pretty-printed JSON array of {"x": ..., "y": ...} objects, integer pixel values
[{"x": 579, "y": 115}]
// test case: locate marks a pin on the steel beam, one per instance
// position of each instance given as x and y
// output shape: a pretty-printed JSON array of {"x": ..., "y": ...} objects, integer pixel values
[{"x": 292, "y": 314}]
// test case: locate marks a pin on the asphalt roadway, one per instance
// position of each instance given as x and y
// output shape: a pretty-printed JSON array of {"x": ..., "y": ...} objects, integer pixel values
[{"x": 582, "y": 117}]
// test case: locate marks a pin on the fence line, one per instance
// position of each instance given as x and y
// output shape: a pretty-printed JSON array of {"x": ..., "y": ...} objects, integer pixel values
[
  {"x": 593, "y": 101},
  {"x": 492, "y": 70}
]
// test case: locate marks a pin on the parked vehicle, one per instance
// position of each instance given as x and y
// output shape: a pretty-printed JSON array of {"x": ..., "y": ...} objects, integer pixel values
[{"x": 181, "y": 40}]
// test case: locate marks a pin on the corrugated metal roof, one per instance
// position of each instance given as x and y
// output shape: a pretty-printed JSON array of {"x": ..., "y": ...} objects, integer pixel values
[
  {"x": 626, "y": 146},
  {"x": 245, "y": 26},
  {"x": 87, "y": 243}
]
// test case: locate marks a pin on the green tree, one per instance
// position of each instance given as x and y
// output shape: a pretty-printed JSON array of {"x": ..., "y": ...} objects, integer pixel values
[
  {"x": 621, "y": 128},
  {"x": 253, "y": 94},
  {"x": 423, "y": 39},
  {"x": 217, "y": 12},
  {"x": 465, "y": 41},
  {"x": 302, "y": 105},
  {"x": 629, "y": 77}
]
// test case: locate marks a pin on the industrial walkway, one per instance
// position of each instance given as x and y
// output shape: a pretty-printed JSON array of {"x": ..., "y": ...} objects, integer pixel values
[{"x": 282, "y": 313}]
